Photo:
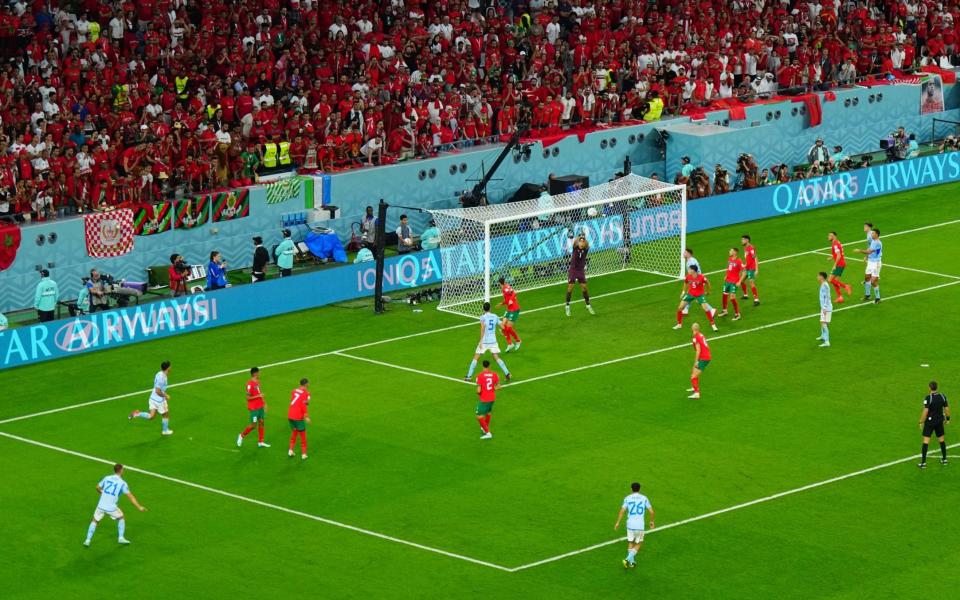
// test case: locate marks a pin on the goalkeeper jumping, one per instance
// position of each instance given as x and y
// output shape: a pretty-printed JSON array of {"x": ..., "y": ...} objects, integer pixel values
[{"x": 577, "y": 273}]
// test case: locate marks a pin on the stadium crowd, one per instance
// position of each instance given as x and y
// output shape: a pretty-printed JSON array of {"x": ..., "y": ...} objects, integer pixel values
[{"x": 123, "y": 103}]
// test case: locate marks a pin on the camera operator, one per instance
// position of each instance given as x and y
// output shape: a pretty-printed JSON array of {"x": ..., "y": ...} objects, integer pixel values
[
  {"x": 897, "y": 145},
  {"x": 699, "y": 186},
  {"x": 949, "y": 144},
  {"x": 179, "y": 271},
  {"x": 747, "y": 172},
  {"x": 102, "y": 287},
  {"x": 721, "y": 180}
]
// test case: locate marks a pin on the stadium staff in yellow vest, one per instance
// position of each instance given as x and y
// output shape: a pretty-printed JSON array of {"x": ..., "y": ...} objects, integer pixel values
[
  {"x": 45, "y": 299},
  {"x": 654, "y": 106},
  {"x": 270, "y": 153},
  {"x": 283, "y": 153},
  {"x": 180, "y": 83}
]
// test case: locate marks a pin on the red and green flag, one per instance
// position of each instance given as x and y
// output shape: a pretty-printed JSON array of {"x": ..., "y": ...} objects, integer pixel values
[
  {"x": 192, "y": 212},
  {"x": 234, "y": 204},
  {"x": 9, "y": 243},
  {"x": 157, "y": 219}
]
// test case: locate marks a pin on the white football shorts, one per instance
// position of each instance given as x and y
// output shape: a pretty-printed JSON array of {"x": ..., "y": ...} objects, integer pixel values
[
  {"x": 158, "y": 405},
  {"x": 99, "y": 514},
  {"x": 634, "y": 536},
  {"x": 483, "y": 348},
  {"x": 873, "y": 268}
]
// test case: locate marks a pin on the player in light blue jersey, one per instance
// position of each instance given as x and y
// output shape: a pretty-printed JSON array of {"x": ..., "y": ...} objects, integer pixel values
[
  {"x": 826, "y": 310},
  {"x": 874, "y": 252},
  {"x": 110, "y": 489},
  {"x": 689, "y": 260},
  {"x": 635, "y": 506},
  {"x": 489, "y": 323},
  {"x": 158, "y": 401}
]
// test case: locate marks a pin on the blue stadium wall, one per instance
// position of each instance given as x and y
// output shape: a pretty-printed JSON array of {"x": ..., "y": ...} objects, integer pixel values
[{"x": 772, "y": 133}]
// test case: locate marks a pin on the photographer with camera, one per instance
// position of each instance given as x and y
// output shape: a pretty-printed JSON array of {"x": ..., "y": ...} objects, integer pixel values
[
  {"x": 99, "y": 292},
  {"x": 721, "y": 180},
  {"x": 896, "y": 145},
  {"x": 179, "y": 270},
  {"x": 748, "y": 173}
]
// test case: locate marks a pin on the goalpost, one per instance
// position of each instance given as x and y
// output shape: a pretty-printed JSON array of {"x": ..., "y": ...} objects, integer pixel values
[{"x": 631, "y": 223}]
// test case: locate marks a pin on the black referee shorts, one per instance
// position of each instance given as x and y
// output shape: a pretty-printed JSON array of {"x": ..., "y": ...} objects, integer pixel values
[{"x": 931, "y": 428}]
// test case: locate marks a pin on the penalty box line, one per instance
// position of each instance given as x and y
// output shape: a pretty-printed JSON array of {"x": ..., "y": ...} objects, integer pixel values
[
  {"x": 729, "y": 509},
  {"x": 420, "y": 334},
  {"x": 902, "y": 268},
  {"x": 260, "y": 503},
  {"x": 614, "y": 361}
]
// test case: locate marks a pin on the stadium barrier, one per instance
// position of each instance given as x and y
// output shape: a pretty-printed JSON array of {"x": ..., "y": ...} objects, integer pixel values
[{"x": 174, "y": 316}]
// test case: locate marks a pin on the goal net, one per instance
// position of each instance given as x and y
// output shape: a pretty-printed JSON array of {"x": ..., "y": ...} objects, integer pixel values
[{"x": 631, "y": 223}]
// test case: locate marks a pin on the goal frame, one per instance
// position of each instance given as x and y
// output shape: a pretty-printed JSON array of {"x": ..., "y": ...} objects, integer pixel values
[{"x": 681, "y": 190}]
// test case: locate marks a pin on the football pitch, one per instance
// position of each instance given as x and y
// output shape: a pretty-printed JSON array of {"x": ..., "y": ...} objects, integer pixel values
[{"x": 794, "y": 476}]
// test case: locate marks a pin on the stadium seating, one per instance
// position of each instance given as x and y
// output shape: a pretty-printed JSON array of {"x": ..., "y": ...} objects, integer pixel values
[{"x": 121, "y": 108}]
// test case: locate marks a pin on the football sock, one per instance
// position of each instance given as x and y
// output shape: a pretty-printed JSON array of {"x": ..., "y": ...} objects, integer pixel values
[
  {"x": 507, "y": 334},
  {"x": 825, "y": 333},
  {"x": 736, "y": 306},
  {"x": 121, "y": 526},
  {"x": 631, "y": 555},
  {"x": 473, "y": 367},
  {"x": 503, "y": 367},
  {"x": 679, "y": 317},
  {"x": 486, "y": 419},
  {"x": 943, "y": 450},
  {"x": 876, "y": 290},
  {"x": 743, "y": 286},
  {"x": 586, "y": 296},
  {"x": 836, "y": 285},
  {"x": 90, "y": 530},
  {"x": 725, "y": 299},
  {"x": 696, "y": 384},
  {"x": 568, "y": 297},
  {"x": 866, "y": 288},
  {"x": 303, "y": 442},
  {"x": 260, "y": 431},
  {"x": 143, "y": 415},
  {"x": 165, "y": 424},
  {"x": 483, "y": 424},
  {"x": 753, "y": 288},
  {"x": 923, "y": 453},
  {"x": 246, "y": 431},
  {"x": 710, "y": 316},
  {"x": 293, "y": 439}
]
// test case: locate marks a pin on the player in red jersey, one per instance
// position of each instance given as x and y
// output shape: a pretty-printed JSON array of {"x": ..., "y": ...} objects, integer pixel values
[
  {"x": 734, "y": 277},
  {"x": 297, "y": 415},
  {"x": 750, "y": 262},
  {"x": 513, "y": 313},
  {"x": 257, "y": 409},
  {"x": 701, "y": 360},
  {"x": 487, "y": 385},
  {"x": 839, "y": 264},
  {"x": 695, "y": 289}
]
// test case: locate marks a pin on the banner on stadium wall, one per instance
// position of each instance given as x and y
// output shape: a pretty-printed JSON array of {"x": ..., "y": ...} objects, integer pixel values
[
  {"x": 9, "y": 243},
  {"x": 157, "y": 219},
  {"x": 931, "y": 95},
  {"x": 109, "y": 234},
  {"x": 230, "y": 205},
  {"x": 46, "y": 341},
  {"x": 192, "y": 212}
]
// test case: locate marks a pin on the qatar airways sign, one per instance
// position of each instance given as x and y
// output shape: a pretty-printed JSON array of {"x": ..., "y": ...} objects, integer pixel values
[{"x": 106, "y": 329}]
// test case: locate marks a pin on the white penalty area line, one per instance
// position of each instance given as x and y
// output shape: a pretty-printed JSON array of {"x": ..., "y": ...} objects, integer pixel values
[
  {"x": 722, "y": 511},
  {"x": 260, "y": 503},
  {"x": 402, "y": 368},
  {"x": 423, "y": 333},
  {"x": 902, "y": 268},
  {"x": 614, "y": 361}
]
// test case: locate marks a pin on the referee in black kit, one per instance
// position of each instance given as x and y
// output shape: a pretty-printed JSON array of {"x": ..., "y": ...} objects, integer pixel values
[{"x": 935, "y": 414}]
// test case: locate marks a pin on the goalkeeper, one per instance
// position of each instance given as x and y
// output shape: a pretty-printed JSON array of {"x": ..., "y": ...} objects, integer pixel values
[
  {"x": 577, "y": 273},
  {"x": 513, "y": 313}
]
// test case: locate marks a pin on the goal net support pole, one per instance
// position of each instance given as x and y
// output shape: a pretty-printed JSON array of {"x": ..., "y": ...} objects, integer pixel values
[{"x": 631, "y": 223}]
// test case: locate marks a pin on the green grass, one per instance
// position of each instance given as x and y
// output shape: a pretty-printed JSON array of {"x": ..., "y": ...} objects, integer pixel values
[{"x": 397, "y": 452}]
